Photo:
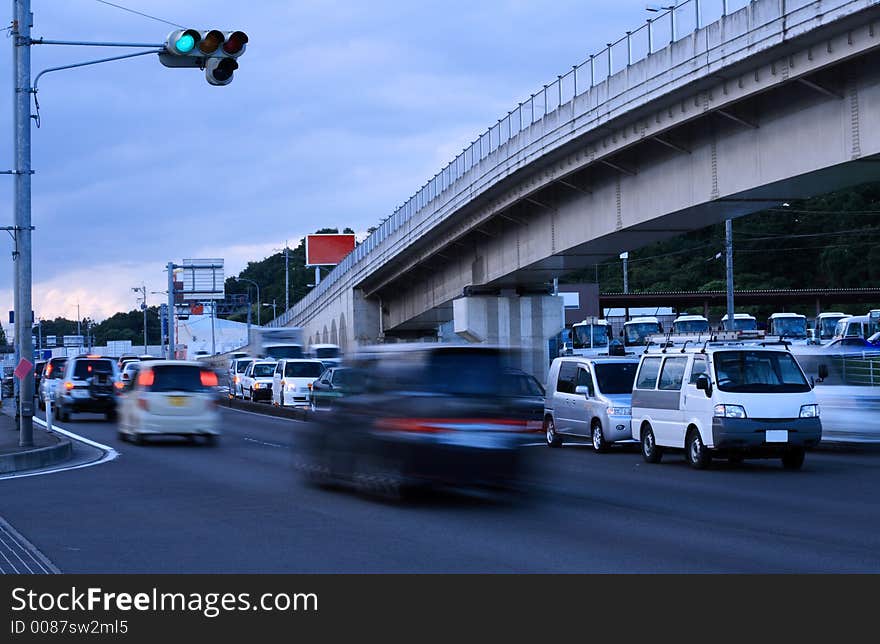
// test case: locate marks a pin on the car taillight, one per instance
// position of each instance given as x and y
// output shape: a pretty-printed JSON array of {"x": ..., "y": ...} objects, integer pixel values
[
  {"x": 119, "y": 386},
  {"x": 439, "y": 425},
  {"x": 146, "y": 378},
  {"x": 143, "y": 404},
  {"x": 209, "y": 378},
  {"x": 68, "y": 385},
  {"x": 48, "y": 370}
]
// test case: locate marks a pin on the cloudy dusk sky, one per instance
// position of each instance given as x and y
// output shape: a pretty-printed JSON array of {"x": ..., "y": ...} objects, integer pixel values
[{"x": 338, "y": 113}]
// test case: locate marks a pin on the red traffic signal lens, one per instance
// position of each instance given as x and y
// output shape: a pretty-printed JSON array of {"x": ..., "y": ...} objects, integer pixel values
[
  {"x": 235, "y": 43},
  {"x": 212, "y": 41}
]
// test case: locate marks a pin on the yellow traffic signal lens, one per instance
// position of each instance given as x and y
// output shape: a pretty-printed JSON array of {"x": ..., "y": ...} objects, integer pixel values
[{"x": 213, "y": 40}]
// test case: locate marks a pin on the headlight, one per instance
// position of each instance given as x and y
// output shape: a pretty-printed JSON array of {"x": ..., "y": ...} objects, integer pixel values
[
  {"x": 809, "y": 411},
  {"x": 729, "y": 411},
  {"x": 619, "y": 411}
]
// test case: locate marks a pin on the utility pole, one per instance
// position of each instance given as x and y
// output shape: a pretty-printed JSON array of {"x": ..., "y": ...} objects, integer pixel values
[
  {"x": 171, "y": 329},
  {"x": 21, "y": 50},
  {"x": 78, "y": 319},
  {"x": 213, "y": 317},
  {"x": 728, "y": 247},
  {"x": 625, "y": 258},
  {"x": 143, "y": 289},
  {"x": 286, "y": 278}
]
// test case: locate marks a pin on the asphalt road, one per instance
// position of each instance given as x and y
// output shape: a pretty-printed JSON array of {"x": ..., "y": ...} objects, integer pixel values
[{"x": 241, "y": 507}]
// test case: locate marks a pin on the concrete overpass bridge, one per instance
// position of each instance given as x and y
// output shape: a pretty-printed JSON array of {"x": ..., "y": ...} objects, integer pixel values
[{"x": 660, "y": 133}]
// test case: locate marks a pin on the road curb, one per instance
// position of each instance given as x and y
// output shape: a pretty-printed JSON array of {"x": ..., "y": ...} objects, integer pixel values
[
  {"x": 268, "y": 409},
  {"x": 36, "y": 459}
]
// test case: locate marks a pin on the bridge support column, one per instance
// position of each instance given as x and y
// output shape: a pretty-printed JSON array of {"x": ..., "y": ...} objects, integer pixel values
[
  {"x": 365, "y": 321},
  {"x": 522, "y": 322}
]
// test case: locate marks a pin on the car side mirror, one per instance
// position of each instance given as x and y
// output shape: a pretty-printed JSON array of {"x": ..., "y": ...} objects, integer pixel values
[
  {"x": 823, "y": 372},
  {"x": 582, "y": 390},
  {"x": 704, "y": 384}
]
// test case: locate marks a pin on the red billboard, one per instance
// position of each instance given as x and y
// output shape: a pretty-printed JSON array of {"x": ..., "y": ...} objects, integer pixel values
[{"x": 327, "y": 250}]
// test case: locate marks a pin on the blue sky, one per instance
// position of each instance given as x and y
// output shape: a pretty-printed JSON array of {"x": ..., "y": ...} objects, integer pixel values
[{"x": 340, "y": 110}]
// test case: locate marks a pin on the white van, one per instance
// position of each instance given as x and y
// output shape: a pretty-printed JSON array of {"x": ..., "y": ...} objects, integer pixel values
[{"x": 729, "y": 400}]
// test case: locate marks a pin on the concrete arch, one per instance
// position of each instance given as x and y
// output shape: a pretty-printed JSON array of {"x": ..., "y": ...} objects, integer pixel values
[
  {"x": 325, "y": 335},
  {"x": 334, "y": 337},
  {"x": 343, "y": 333}
]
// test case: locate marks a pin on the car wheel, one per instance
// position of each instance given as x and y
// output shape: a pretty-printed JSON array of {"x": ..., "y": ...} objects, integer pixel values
[
  {"x": 599, "y": 442},
  {"x": 137, "y": 438},
  {"x": 41, "y": 405},
  {"x": 63, "y": 414},
  {"x": 696, "y": 451},
  {"x": 552, "y": 437},
  {"x": 651, "y": 452},
  {"x": 793, "y": 459},
  {"x": 735, "y": 459},
  {"x": 111, "y": 416}
]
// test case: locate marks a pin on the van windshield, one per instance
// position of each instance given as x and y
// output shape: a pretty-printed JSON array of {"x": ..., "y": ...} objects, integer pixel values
[
  {"x": 264, "y": 370},
  {"x": 616, "y": 377},
  {"x": 637, "y": 333},
  {"x": 765, "y": 372},
  {"x": 588, "y": 336},
  {"x": 691, "y": 326},
  {"x": 327, "y": 352},
  {"x": 303, "y": 369}
]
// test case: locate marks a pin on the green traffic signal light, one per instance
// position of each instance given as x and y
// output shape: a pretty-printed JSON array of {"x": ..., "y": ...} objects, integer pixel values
[{"x": 185, "y": 44}]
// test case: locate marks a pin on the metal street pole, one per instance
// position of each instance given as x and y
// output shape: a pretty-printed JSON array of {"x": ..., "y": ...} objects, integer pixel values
[
  {"x": 728, "y": 246},
  {"x": 144, "y": 289},
  {"x": 286, "y": 279},
  {"x": 259, "y": 303},
  {"x": 21, "y": 42},
  {"x": 213, "y": 317},
  {"x": 171, "y": 353},
  {"x": 625, "y": 258}
]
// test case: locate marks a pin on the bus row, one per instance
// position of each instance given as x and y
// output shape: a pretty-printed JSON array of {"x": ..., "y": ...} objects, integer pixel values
[{"x": 596, "y": 334}]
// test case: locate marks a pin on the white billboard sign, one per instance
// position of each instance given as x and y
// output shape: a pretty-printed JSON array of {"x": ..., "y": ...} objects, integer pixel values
[{"x": 203, "y": 279}]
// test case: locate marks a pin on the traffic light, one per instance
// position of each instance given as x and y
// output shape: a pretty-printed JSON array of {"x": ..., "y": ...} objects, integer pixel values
[{"x": 213, "y": 50}]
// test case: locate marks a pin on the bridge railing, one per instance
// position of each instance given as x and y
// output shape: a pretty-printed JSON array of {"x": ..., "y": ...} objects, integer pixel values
[{"x": 668, "y": 24}]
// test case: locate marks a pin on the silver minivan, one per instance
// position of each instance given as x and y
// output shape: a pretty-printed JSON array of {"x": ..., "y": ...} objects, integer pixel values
[{"x": 589, "y": 399}]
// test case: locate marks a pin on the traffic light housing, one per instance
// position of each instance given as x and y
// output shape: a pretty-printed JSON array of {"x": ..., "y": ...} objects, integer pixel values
[{"x": 213, "y": 50}]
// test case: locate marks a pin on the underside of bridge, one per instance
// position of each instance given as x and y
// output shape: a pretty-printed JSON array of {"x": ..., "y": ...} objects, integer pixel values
[{"x": 798, "y": 137}]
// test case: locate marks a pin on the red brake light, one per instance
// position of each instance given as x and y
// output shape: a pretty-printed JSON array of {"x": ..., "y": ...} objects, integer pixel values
[
  {"x": 119, "y": 385},
  {"x": 146, "y": 378},
  {"x": 209, "y": 379}
]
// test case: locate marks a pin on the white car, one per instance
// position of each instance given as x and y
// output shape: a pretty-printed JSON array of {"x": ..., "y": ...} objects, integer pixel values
[
  {"x": 256, "y": 381},
  {"x": 236, "y": 370},
  {"x": 173, "y": 398},
  {"x": 292, "y": 381}
]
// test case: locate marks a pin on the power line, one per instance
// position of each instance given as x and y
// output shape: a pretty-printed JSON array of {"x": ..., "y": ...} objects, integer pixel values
[{"x": 139, "y": 13}]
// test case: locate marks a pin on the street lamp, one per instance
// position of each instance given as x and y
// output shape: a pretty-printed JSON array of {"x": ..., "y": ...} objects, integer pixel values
[
  {"x": 274, "y": 311},
  {"x": 671, "y": 9},
  {"x": 244, "y": 279},
  {"x": 143, "y": 289}
]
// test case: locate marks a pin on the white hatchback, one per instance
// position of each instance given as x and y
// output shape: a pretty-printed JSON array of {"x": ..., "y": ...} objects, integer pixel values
[
  {"x": 292, "y": 381},
  {"x": 173, "y": 398}
]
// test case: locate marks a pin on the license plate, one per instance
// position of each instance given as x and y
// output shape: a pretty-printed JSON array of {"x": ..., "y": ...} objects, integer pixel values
[
  {"x": 777, "y": 436},
  {"x": 177, "y": 401}
]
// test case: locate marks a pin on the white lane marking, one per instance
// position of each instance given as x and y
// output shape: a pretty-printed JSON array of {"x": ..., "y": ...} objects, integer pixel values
[
  {"x": 17, "y": 556},
  {"x": 110, "y": 454},
  {"x": 30, "y": 549},
  {"x": 254, "y": 413},
  {"x": 254, "y": 440}
]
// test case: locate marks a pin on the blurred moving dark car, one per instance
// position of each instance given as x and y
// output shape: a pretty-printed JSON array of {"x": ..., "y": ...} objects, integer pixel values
[
  {"x": 527, "y": 395},
  {"x": 333, "y": 384},
  {"x": 421, "y": 416}
]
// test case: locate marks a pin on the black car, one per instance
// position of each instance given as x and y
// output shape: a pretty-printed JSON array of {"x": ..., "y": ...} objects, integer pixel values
[
  {"x": 90, "y": 384},
  {"x": 333, "y": 384},
  {"x": 421, "y": 416},
  {"x": 526, "y": 394},
  {"x": 39, "y": 365}
]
